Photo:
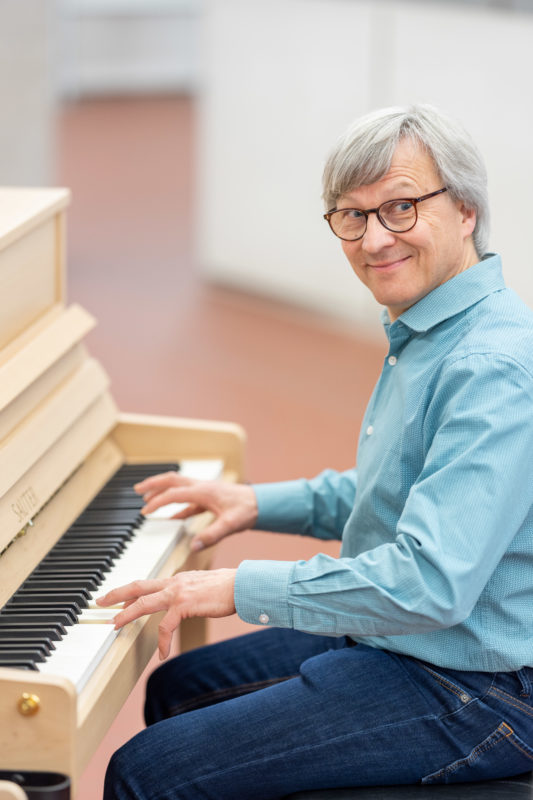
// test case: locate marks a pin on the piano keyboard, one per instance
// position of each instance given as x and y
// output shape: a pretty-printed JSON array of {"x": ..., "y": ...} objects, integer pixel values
[{"x": 51, "y": 623}]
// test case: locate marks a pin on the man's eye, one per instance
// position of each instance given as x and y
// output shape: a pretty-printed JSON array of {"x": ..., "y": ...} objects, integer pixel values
[
  {"x": 402, "y": 207},
  {"x": 352, "y": 213}
]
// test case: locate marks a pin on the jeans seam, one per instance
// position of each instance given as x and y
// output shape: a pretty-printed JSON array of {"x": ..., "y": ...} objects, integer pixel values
[
  {"x": 200, "y": 701},
  {"x": 518, "y": 747},
  {"x": 510, "y": 700},
  {"x": 444, "y": 682},
  {"x": 503, "y": 731}
]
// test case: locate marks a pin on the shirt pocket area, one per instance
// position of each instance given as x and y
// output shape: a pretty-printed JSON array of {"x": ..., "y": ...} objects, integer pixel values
[{"x": 501, "y": 755}]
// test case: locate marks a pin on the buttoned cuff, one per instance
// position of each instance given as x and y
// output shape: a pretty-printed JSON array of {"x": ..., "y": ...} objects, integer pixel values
[
  {"x": 261, "y": 592},
  {"x": 283, "y": 507}
]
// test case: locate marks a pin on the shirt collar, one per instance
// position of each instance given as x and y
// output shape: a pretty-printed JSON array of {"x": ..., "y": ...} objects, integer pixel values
[{"x": 453, "y": 296}]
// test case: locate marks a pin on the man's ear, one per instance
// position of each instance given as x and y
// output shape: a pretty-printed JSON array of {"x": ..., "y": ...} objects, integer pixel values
[{"x": 468, "y": 220}]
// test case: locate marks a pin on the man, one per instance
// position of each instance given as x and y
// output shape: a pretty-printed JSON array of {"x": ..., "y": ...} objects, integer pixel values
[{"x": 420, "y": 666}]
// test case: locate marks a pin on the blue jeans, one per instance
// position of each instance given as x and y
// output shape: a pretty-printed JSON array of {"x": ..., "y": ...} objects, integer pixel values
[{"x": 278, "y": 711}]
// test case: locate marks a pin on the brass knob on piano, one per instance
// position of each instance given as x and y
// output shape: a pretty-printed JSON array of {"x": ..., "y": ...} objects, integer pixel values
[{"x": 29, "y": 704}]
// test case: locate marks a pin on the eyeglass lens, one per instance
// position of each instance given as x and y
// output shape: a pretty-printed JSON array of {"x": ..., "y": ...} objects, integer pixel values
[{"x": 396, "y": 215}]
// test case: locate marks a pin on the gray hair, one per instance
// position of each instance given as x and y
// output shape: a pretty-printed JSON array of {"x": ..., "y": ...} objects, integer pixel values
[{"x": 363, "y": 155}]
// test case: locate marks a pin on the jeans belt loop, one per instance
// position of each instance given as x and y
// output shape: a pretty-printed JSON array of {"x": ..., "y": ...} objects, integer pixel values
[{"x": 525, "y": 681}]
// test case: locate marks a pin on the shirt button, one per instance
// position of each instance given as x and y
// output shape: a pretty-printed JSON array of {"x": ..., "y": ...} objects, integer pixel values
[
  {"x": 264, "y": 619},
  {"x": 370, "y": 430},
  {"x": 392, "y": 360}
]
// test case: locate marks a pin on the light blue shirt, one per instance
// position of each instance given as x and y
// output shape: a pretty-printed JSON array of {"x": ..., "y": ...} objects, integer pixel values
[{"x": 436, "y": 522}]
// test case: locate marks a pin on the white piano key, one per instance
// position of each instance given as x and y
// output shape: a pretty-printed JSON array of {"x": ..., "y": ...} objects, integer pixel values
[
  {"x": 143, "y": 556},
  {"x": 202, "y": 469},
  {"x": 79, "y": 652},
  {"x": 91, "y": 616},
  {"x": 84, "y": 645}
]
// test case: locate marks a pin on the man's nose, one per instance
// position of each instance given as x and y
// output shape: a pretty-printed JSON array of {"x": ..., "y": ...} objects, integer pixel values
[{"x": 376, "y": 236}]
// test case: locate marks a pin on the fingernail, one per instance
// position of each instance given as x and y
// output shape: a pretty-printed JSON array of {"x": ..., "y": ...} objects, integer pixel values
[{"x": 196, "y": 545}]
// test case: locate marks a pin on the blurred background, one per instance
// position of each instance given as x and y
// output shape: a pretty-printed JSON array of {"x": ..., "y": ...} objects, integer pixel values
[{"x": 192, "y": 134}]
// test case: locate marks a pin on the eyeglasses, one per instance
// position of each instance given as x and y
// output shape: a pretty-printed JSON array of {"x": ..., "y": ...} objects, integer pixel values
[{"x": 398, "y": 216}]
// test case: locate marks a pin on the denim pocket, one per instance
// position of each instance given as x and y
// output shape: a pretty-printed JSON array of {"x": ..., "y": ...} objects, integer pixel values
[
  {"x": 452, "y": 688},
  {"x": 501, "y": 754}
]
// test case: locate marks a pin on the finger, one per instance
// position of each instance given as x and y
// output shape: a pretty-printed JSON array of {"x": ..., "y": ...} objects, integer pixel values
[
  {"x": 190, "y": 511},
  {"x": 148, "y": 495},
  {"x": 155, "y": 492},
  {"x": 167, "y": 626},
  {"x": 171, "y": 495},
  {"x": 130, "y": 591},
  {"x": 146, "y": 604},
  {"x": 157, "y": 483},
  {"x": 210, "y": 535}
]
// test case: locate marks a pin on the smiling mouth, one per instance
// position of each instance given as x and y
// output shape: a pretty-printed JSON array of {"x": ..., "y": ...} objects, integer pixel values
[{"x": 389, "y": 265}]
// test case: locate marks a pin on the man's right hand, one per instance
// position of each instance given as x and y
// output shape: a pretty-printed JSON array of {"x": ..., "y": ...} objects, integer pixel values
[{"x": 233, "y": 504}]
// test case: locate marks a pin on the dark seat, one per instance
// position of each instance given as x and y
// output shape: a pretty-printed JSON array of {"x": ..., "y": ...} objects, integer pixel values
[{"x": 517, "y": 788}]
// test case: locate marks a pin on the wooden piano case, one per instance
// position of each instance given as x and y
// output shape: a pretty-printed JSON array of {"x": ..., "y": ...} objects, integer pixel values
[{"x": 61, "y": 438}]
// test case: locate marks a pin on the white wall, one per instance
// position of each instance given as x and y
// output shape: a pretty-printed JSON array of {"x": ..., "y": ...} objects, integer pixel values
[
  {"x": 128, "y": 46},
  {"x": 282, "y": 79},
  {"x": 27, "y": 97}
]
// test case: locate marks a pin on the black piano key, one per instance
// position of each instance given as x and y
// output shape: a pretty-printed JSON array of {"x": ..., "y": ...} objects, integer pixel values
[
  {"x": 50, "y": 631},
  {"x": 50, "y": 584},
  {"x": 29, "y": 605},
  {"x": 106, "y": 517},
  {"x": 127, "y": 477},
  {"x": 13, "y": 645},
  {"x": 111, "y": 547},
  {"x": 148, "y": 469},
  {"x": 19, "y": 664},
  {"x": 111, "y": 532},
  {"x": 123, "y": 497},
  {"x": 27, "y": 654},
  {"x": 53, "y": 571},
  {"x": 58, "y": 597},
  {"x": 106, "y": 530},
  {"x": 122, "y": 487},
  {"x": 112, "y": 535},
  {"x": 84, "y": 549},
  {"x": 50, "y": 615},
  {"x": 51, "y": 598},
  {"x": 34, "y": 635},
  {"x": 67, "y": 563},
  {"x": 78, "y": 561},
  {"x": 122, "y": 501}
]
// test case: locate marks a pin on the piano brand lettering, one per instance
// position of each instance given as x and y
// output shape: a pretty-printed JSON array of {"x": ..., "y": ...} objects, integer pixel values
[{"x": 25, "y": 504}]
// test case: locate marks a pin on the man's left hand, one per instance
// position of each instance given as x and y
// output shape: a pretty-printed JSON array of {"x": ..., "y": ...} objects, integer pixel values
[{"x": 203, "y": 593}]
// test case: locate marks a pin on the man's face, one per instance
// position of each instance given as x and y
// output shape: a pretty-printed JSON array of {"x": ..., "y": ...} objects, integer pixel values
[{"x": 401, "y": 268}]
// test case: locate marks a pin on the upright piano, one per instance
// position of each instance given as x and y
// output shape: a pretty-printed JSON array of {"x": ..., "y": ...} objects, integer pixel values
[{"x": 69, "y": 521}]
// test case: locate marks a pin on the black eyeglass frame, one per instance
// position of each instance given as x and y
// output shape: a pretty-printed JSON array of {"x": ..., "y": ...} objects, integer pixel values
[{"x": 376, "y": 211}]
